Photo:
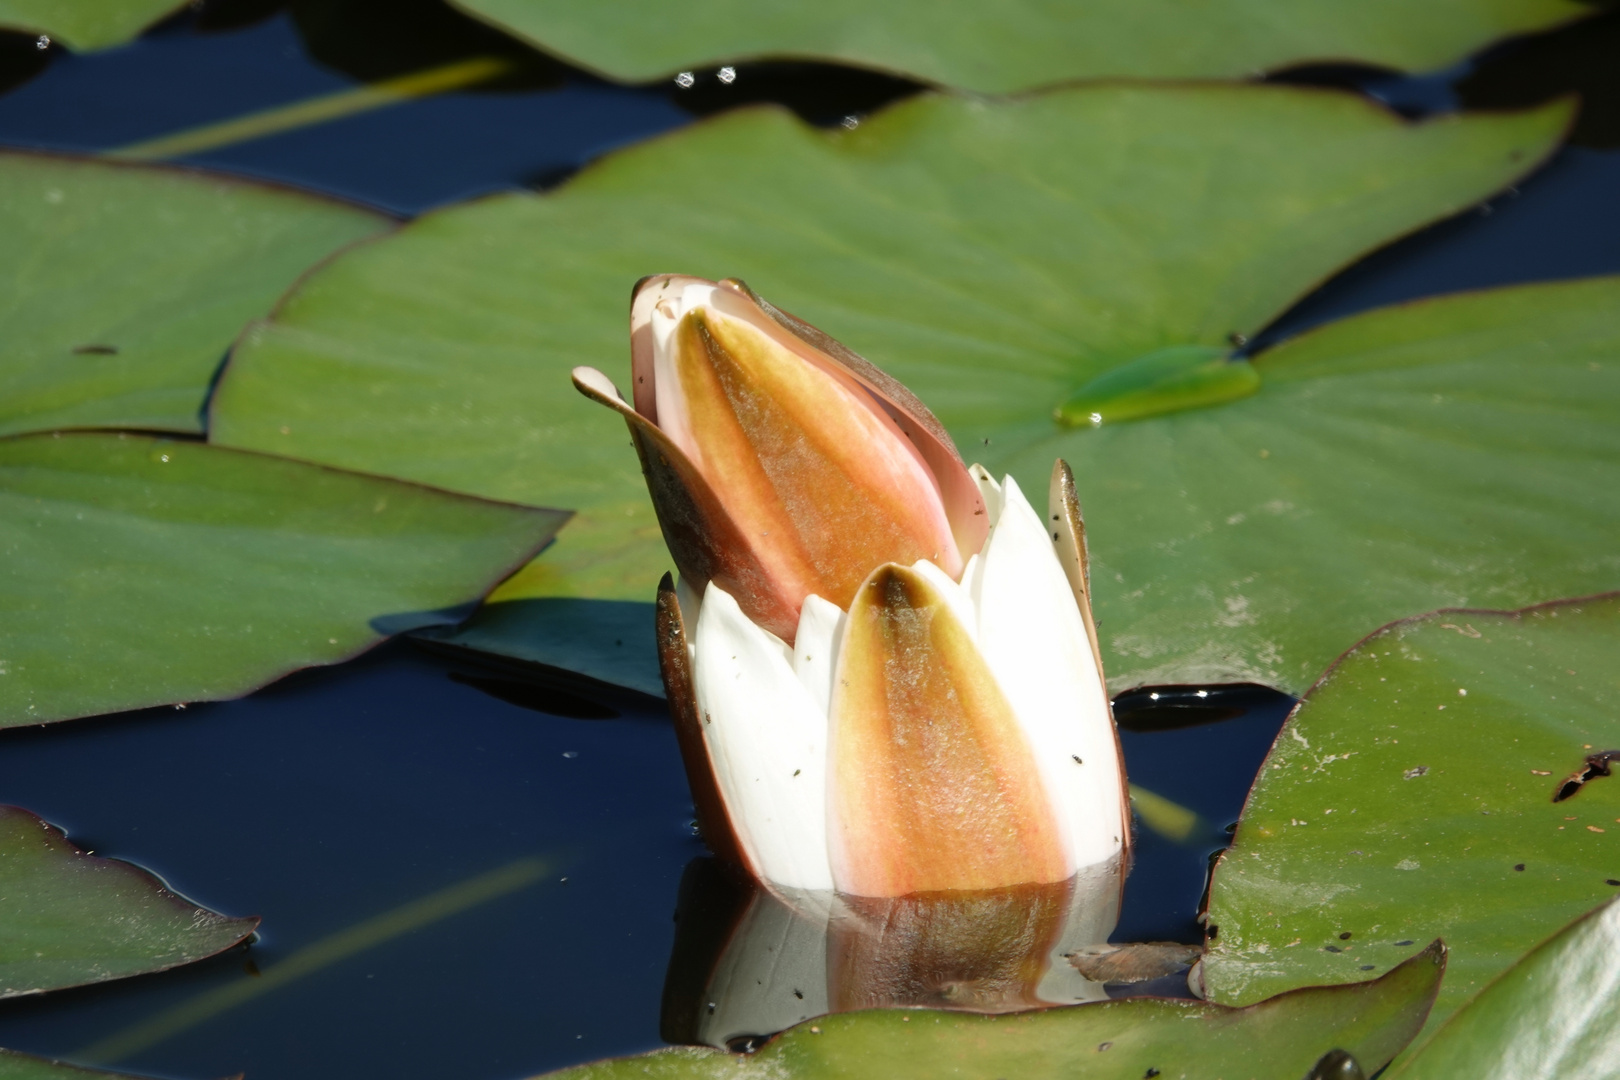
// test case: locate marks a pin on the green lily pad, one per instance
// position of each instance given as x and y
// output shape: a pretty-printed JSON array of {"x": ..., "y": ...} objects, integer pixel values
[
  {"x": 1112, "y": 1040},
  {"x": 126, "y": 283},
  {"x": 1024, "y": 43},
  {"x": 1554, "y": 1013},
  {"x": 141, "y": 571},
  {"x": 67, "y": 918},
  {"x": 1411, "y": 795},
  {"x": 1458, "y": 451},
  {"x": 83, "y": 25},
  {"x": 996, "y": 258},
  {"x": 15, "y": 1065}
]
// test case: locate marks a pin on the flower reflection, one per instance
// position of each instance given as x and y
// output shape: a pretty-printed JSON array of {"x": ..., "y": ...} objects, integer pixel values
[{"x": 751, "y": 960}]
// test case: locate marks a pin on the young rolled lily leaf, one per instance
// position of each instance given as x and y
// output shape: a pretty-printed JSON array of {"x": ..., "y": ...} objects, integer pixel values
[
  {"x": 68, "y": 918},
  {"x": 1448, "y": 776},
  {"x": 936, "y": 735},
  {"x": 1114, "y": 1040},
  {"x": 1555, "y": 1013},
  {"x": 1028, "y": 43}
]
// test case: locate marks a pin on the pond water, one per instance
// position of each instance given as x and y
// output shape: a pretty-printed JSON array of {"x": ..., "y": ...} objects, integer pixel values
[{"x": 536, "y": 839}]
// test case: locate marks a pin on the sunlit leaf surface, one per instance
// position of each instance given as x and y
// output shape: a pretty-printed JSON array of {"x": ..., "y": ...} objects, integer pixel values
[
  {"x": 1023, "y": 43},
  {"x": 1411, "y": 796},
  {"x": 997, "y": 258},
  {"x": 1459, "y": 451},
  {"x": 1555, "y": 1013},
  {"x": 1114, "y": 1040},
  {"x": 138, "y": 571},
  {"x": 67, "y": 918},
  {"x": 125, "y": 285},
  {"x": 85, "y": 24}
]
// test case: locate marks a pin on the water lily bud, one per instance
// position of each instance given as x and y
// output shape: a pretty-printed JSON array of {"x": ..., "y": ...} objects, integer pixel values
[
  {"x": 882, "y": 665},
  {"x": 787, "y": 465}
]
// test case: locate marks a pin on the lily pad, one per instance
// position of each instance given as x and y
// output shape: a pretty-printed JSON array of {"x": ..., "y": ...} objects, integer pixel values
[
  {"x": 1451, "y": 452},
  {"x": 69, "y": 918},
  {"x": 994, "y": 257},
  {"x": 1411, "y": 795},
  {"x": 1112, "y": 1040},
  {"x": 83, "y": 25},
  {"x": 19, "y": 1066},
  {"x": 126, "y": 284},
  {"x": 1024, "y": 43},
  {"x": 1554, "y": 1013},
  {"x": 142, "y": 571}
]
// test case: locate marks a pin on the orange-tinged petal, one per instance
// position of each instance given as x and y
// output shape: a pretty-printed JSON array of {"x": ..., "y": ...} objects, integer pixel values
[
  {"x": 706, "y": 543},
  {"x": 933, "y": 782},
  {"x": 808, "y": 466}
]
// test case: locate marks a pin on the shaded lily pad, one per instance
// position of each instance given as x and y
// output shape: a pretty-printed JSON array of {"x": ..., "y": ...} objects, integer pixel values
[
  {"x": 83, "y": 25},
  {"x": 601, "y": 641},
  {"x": 1113, "y": 1040},
  {"x": 19, "y": 1066},
  {"x": 126, "y": 284},
  {"x": 140, "y": 571},
  {"x": 1457, "y": 451},
  {"x": 1411, "y": 795},
  {"x": 1025, "y": 43},
  {"x": 996, "y": 258},
  {"x": 1554, "y": 1013},
  {"x": 67, "y": 918}
]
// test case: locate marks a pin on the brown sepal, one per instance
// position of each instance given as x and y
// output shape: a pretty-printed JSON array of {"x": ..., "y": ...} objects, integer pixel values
[
  {"x": 675, "y": 665},
  {"x": 1068, "y": 529}
]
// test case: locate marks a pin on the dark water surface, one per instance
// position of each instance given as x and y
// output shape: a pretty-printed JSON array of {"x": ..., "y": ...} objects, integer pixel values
[{"x": 342, "y": 794}]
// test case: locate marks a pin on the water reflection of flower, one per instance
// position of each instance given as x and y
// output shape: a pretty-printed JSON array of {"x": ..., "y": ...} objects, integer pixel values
[{"x": 750, "y": 960}]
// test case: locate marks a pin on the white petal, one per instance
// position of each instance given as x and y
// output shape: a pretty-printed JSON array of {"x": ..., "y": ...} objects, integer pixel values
[
  {"x": 1033, "y": 636},
  {"x": 956, "y": 597},
  {"x": 674, "y": 419},
  {"x": 691, "y": 605},
  {"x": 971, "y": 578},
  {"x": 815, "y": 648},
  {"x": 768, "y": 742}
]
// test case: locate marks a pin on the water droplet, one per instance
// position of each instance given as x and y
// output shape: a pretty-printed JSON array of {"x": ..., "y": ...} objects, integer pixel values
[
  {"x": 727, "y": 75},
  {"x": 570, "y": 753},
  {"x": 42, "y": 42},
  {"x": 685, "y": 80},
  {"x": 851, "y": 122}
]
